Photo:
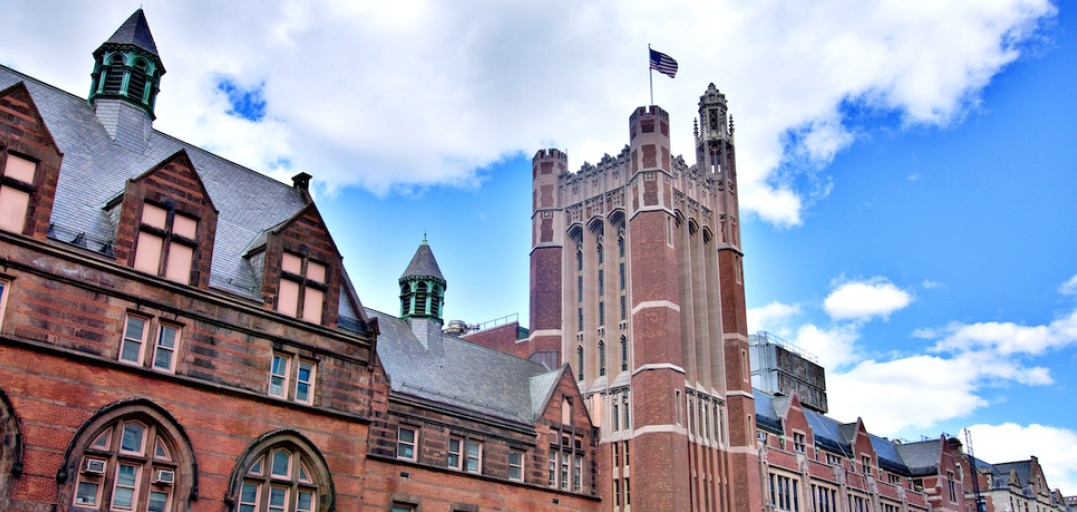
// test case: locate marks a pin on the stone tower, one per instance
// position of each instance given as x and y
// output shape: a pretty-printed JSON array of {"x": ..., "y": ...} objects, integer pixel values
[
  {"x": 636, "y": 283},
  {"x": 125, "y": 82}
]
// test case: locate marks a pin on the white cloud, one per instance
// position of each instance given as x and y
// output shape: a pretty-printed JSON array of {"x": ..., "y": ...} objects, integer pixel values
[
  {"x": 392, "y": 96},
  {"x": 931, "y": 285},
  {"x": 1056, "y": 449},
  {"x": 863, "y": 300},
  {"x": 1010, "y": 338},
  {"x": 769, "y": 317},
  {"x": 1069, "y": 287},
  {"x": 834, "y": 347}
]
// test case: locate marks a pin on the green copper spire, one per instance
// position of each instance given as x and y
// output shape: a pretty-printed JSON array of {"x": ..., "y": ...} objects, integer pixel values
[
  {"x": 422, "y": 287},
  {"x": 127, "y": 66}
]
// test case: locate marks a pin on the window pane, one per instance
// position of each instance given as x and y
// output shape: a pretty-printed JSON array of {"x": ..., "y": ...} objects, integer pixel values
[
  {"x": 305, "y": 503},
  {"x": 279, "y": 376},
  {"x": 124, "y": 493},
  {"x": 166, "y": 343},
  {"x": 288, "y": 298},
  {"x": 86, "y": 493},
  {"x": 178, "y": 268},
  {"x": 281, "y": 462},
  {"x": 161, "y": 451},
  {"x": 256, "y": 469},
  {"x": 312, "y": 305},
  {"x": 20, "y": 169},
  {"x": 316, "y": 272},
  {"x": 13, "y": 204},
  {"x": 291, "y": 263},
  {"x": 278, "y": 497},
  {"x": 132, "y": 438},
  {"x": 148, "y": 253},
  {"x": 158, "y": 502},
  {"x": 184, "y": 226},
  {"x": 154, "y": 216},
  {"x": 248, "y": 493}
]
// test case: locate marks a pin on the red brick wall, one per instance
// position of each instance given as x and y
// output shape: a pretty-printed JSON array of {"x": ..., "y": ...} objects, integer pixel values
[{"x": 23, "y": 132}]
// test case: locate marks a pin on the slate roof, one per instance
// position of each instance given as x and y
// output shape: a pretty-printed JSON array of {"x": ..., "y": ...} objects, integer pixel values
[
  {"x": 461, "y": 374},
  {"x": 766, "y": 417},
  {"x": 1023, "y": 468},
  {"x": 95, "y": 169},
  {"x": 827, "y": 432},
  {"x": 423, "y": 264},
  {"x": 135, "y": 31},
  {"x": 921, "y": 457},
  {"x": 886, "y": 453}
]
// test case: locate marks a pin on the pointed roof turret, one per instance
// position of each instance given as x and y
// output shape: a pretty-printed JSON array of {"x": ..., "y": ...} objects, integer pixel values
[
  {"x": 423, "y": 264},
  {"x": 135, "y": 31}
]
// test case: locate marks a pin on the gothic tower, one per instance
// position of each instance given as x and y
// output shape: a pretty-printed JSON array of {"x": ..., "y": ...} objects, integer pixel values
[
  {"x": 635, "y": 281},
  {"x": 125, "y": 82}
]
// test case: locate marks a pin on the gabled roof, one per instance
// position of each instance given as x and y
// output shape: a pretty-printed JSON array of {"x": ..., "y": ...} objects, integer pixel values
[
  {"x": 95, "y": 168},
  {"x": 135, "y": 31},
  {"x": 766, "y": 416},
  {"x": 921, "y": 457},
  {"x": 461, "y": 374},
  {"x": 827, "y": 432},
  {"x": 423, "y": 264},
  {"x": 1023, "y": 468},
  {"x": 886, "y": 453}
]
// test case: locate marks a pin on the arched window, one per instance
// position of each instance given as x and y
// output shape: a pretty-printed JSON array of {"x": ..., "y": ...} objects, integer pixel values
[
  {"x": 420, "y": 299},
  {"x": 601, "y": 358},
  {"x": 130, "y": 456},
  {"x": 113, "y": 75},
  {"x": 405, "y": 299},
  {"x": 601, "y": 258},
  {"x": 281, "y": 472},
  {"x": 620, "y": 246},
  {"x": 579, "y": 260},
  {"x": 136, "y": 85},
  {"x": 579, "y": 362}
]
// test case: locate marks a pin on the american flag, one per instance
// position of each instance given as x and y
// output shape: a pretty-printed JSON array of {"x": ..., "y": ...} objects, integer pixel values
[{"x": 663, "y": 63}]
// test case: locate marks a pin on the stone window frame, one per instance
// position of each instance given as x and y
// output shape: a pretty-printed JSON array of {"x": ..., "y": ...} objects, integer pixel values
[
  {"x": 306, "y": 280},
  {"x": 100, "y": 438},
  {"x": 800, "y": 441},
  {"x": 177, "y": 230},
  {"x": 401, "y": 444},
  {"x": 150, "y": 347},
  {"x": 519, "y": 467},
  {"x": 289, "y": 380},
  {"x": 319, "y": 480}
]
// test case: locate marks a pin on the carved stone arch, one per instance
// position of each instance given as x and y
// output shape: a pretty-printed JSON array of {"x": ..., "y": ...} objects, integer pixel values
[
  {"x": 10, "y": 445},
  {"x": 678, "y": 216},
  {"x": 143, "y": 410},
  {"x": 295, "y": 442},
  {"x": 575, "y": 232},
  {"x": 693, "y": 227},
  {"x": 708, "y": 235},
  {"x": 616, "y": 218},
  {"x": 596, "y": 225}
]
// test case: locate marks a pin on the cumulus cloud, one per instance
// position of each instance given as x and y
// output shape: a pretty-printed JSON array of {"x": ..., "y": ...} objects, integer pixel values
[
  {"x": 864, "y": 300},
  {"x": 1056, "y": 449},
  {"x": 1010, "y": 338},
  {"x": 834, "y": 347},
  {"x": 771, "y": 316},
  {"x": 394, "y": 96}
]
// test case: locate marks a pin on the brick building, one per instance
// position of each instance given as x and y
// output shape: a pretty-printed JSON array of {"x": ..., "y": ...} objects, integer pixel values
[
  {"x": 1013, "y": 487},
  {"x": 178, "y": 333},
  {"x": 637, "y": 285}
]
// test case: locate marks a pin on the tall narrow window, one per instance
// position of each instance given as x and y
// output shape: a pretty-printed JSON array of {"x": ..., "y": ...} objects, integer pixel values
[
  {"x": 624, "y": 406},
  {"x": 136, "y": 86},
  {"x": 166, "y": 243},
  {"x": 516, "y": 465},
  {"x": 405, "y": 443},
  {"x": 164, "y": 352},
  {"x": 553, "y": 469},
  {"x": 455, "y": 456},
  {"x": 579, "y": 362},
  {"x": 474, "y": 456},
  {"x": 601, "y": 358},
  {"x": 113, "y": 75},
  {"x": 620, "y": 247},
  {"x": 134, "y": 339},
  {"x": 624, "y": 308},
  {"x": 621, "y": 270},
  {"x": 624, "y": 353},
  {"x": 601, "y": 282},
  {"x": 278, "y": 377},
  {"x": 601, "y": 313},
  {"x": 579, "y": 313},
  {"x": 16, "y": 185},
  {"x": 579, "y": 260},
  {"x": 304, "y": 382},
  {"x": 600, "y": 254},
  {"x": 303, "y": 286},
  {"x": 577, "y": 472}
]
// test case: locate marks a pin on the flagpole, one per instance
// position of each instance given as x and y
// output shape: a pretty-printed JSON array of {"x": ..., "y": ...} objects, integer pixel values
[{"x": 650, "y": 72}]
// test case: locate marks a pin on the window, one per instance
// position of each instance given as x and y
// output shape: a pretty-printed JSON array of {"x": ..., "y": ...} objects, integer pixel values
[
  {"x": 516, "y": 465},
  {"x": 601, "y": 282},
  {"x": 601, "y": 313},
  {"x": 833, "y": 460},
  {"x": 825, "y": 499},
  {"x": 601, "y": 358},
  {"x": 624, "y": 309},
  {"x": 616, "y": 416},
  {"x": 474, "y": 456},
  {"x": 628, "y": 492},
  {"x": 622, "y": 272},
  {"x": 278, "y": 378},
  {"x": 600, "y": 256},
  {"x": 577, "y": 472},
  {"x": 405, "y": 443},
  {"x": 166, "y": 243},
  {"x": 579, "y": 312},
  {"x": 16, "y": 185},
  {"x": 454, "y": 457},
  {"x": 164, "y": 352},
  {"x": 783, "y": 493},
  {"x": 857, "y": 503},
  {"x": 134, "y": 339},
  {"x": 128, "y": 460},
  {"x": 893, "y": 479},
  {"x": 286, "y": 369},
  {"x": 564, "y": 470},
  {"x": 798, "y": 442},
  {"x": 625, "y": 410},
  {"x": 627, "y": 459},
  {"x": 402, "y": 507},
  {"x": 282, "y": 473},
  {"x": 579, "y": 289},
  {"x": 865, "y": 463},
  {"x": 624, "y": 353},
  {"x": 616, "y": 493},
  {"x": 620, "y": 247},
  {"x": 579, "y": 362},
  {"x": 953, "y": 489},
  {"x": 553, "y": 469},
  {"x": 303, "y": 285},
  {"x": 616, "y": 455}
]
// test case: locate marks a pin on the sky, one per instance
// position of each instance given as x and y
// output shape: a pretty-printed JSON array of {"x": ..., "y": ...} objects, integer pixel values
[{"x": 906, "y": 167}]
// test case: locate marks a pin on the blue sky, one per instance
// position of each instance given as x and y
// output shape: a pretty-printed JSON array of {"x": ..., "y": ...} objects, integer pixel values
[{"x": 908, "y": 171}]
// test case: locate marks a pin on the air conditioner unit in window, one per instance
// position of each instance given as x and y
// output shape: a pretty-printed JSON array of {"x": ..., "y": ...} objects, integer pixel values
[
  {"x": 164, "y": 476},
  {"x": 94, "y": 467}
]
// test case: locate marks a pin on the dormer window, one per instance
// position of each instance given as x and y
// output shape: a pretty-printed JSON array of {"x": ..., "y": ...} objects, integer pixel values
[
  {"x": 303, "y": 285},
  {"x": 166, "y": 243},
  {"x": 16, "y": 185}
]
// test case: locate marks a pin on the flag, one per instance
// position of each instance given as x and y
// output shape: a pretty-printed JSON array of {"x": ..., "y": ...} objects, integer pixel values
[{"x": 663, "y": 63}]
